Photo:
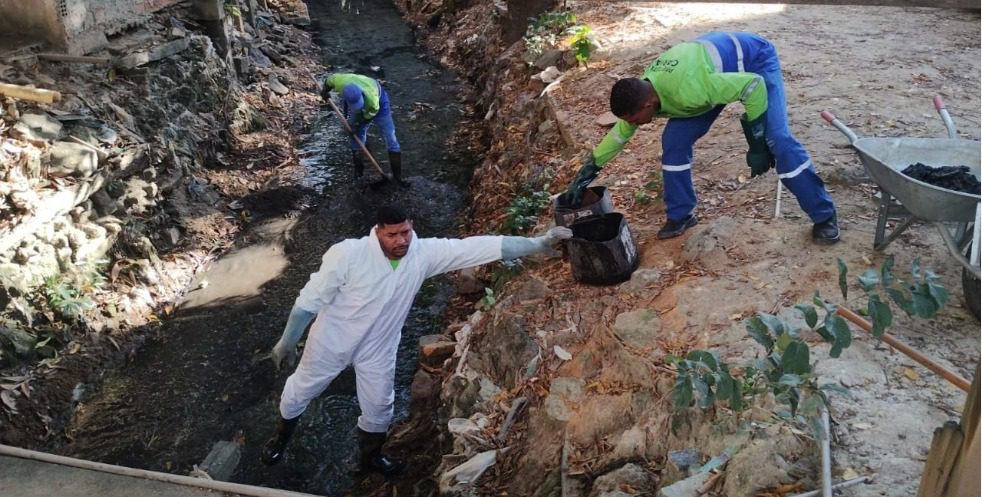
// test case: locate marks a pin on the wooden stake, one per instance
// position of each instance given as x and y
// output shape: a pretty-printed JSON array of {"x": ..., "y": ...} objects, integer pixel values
[
  {"x": 28, "y": 93},
  {"x": 920, "y": 358}
]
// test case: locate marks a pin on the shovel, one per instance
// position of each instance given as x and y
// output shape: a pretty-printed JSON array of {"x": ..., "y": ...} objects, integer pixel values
[{"x": 385, "y": 177}]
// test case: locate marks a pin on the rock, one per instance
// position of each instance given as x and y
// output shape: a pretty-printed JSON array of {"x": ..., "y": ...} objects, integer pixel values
[
  {"x": 142, "y": 57},
  {"x": 564, "y": 395},
  {"x": 641, "y": 280},
  {"x": 276, "y": 86},
  {"x": 21, "y": 341},
  {"x": 220, "y": 463},
  {"x": 549, "y": 58},
  {"x": 467, "y": 282},
  {"x": 533, "y": 289},
  {"x": 681, "y": 464},
  {"x": 607, "y": 119},
  {"x": 72, "y": 159},
  {"x": 688, "y": 487},
  {"x": 37, "y": 128},
  {"x": 706, "y": 244},
  {"x": 628, "y": 475},
  {"x": 171, "y": 236},
  {"x": 639, "y": 328},
  {"x": 549, "y": 75},
  {"x": 259, "y": 58},
  {"x": 435, "y": 349}
]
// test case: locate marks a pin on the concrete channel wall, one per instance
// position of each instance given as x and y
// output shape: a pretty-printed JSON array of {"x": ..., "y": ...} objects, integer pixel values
[{"x": 74, "y": 26}]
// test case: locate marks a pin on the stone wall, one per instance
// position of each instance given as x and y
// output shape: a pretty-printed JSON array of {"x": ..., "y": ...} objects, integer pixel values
[{"x": 74, "y": 26}]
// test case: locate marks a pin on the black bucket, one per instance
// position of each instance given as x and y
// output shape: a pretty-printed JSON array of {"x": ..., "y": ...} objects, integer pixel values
[
  {"x": 596, "y": 201},
  {"x": 602, "y": 250}
]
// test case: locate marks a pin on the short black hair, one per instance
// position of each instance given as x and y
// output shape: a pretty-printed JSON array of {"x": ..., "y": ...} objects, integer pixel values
[
  {"x": 392, "y": 214},
  {"x": 628, "y": 96}
]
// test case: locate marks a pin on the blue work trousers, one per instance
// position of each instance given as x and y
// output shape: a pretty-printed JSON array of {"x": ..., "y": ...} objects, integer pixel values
[
  {"x": 794, "y": 167},
  {"x": 384, "y": 121}
]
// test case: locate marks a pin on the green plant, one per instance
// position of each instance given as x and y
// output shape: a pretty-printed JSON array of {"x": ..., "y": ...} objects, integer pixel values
[
  {"x": 523, "y": 211},
  {"x": 233, "y": 10},
  {"x": 581, "y": 42},
  {"x": 544, "y": 31},
  {"x": 653, "y": 185},
  {"x": 642, "y": 197},
  {"x": 65, "y": 298},
  {"x": 785, "y": 370},
  {"x": 487, "y": 301}
]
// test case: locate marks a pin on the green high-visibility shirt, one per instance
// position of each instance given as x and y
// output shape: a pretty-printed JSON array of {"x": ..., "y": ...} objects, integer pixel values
[
  {"x": 688, "y": 85},
  {"x": 369, "y": 87}
]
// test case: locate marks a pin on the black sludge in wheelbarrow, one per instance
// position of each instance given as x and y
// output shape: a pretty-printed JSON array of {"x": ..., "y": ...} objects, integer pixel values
[{"x": 956, "y": 178}]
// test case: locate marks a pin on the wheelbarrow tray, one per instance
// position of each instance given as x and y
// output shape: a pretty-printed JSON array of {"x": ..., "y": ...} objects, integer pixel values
[{"x": 884, "y": 158}]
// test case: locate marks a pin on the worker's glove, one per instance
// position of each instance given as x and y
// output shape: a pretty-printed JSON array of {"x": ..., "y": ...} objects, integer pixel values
[
  {"x": 513, "y": 247},
  {"x": 325, "y": 92},
  {"x": 759, "y": 157},
  {"x": 586, "y": 174},
  {"x": 286, "y": 348}
]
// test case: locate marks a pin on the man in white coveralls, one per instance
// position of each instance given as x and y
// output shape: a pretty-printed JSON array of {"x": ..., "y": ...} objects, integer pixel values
[{"x": 360, "y": 297}]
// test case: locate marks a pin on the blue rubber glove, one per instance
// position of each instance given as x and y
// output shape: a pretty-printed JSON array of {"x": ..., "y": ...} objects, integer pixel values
[
  {"x": 513, "y": 247},
  {"x": 286, "y": 347}
]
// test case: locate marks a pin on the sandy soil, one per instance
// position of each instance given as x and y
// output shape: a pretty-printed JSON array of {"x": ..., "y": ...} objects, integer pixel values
[{"x": 877, "y": 69}]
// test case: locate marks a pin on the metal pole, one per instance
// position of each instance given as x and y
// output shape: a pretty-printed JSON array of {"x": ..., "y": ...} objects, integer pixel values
[
  {"x": 826, "y": 453},
  {"x": 838, "y": 486}
]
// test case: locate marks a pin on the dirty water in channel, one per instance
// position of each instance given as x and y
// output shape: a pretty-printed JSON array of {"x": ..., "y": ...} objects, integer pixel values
[{"x": 202, "y": 377}]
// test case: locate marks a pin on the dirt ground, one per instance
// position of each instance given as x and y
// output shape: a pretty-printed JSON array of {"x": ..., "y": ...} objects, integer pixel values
[{"x": 877, "y": 69}]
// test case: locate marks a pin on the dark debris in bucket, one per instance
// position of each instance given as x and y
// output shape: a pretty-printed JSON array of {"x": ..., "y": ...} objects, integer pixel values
[{"x": 956, "y": 178}]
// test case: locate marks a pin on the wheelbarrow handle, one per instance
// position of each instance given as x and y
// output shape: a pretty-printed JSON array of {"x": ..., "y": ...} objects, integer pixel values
[
  {"x": 945, "y": 116},
  {"x": 831, "y": 119}
]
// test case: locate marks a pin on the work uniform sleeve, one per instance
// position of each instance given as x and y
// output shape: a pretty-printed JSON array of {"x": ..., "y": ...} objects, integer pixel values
[
  {"x": 324, "y": 285},
  {"x": 446, "y": 254},
  {"x": 613, "y": 142},
  {"x": 746, "y": 87}
]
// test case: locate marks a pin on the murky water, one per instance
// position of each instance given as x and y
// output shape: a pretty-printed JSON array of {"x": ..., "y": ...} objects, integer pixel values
[{"x": 203, "y": 379}]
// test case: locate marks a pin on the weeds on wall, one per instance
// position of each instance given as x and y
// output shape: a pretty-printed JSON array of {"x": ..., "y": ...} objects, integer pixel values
[{"x": 548, "y": 30}]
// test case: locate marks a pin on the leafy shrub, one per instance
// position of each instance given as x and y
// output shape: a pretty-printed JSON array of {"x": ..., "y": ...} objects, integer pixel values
[
  {"x": 523, "y": 212},
  {"x": 785, "y": 370}
]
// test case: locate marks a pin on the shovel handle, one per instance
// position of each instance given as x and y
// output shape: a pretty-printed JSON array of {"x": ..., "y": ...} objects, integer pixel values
[{"x": 355, "y": 137}]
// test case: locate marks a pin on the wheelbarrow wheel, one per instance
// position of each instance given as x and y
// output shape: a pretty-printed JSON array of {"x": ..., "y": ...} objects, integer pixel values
[{"x": 971, "y": 288}]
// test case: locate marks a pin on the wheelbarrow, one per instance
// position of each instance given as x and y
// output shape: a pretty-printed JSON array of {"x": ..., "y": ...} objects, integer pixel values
[{"x": 955, "y": 214}]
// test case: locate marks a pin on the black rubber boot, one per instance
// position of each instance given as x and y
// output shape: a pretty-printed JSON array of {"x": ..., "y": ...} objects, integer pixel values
[
  {"x": 371, "y": 458},
  {"x": 673, "y": 229},
  {"x": 359, "y": 161},
  {"x": 826, "y": 232},
  {"x": 276, "y": 446},
  {"x": 395, "y": 163}
]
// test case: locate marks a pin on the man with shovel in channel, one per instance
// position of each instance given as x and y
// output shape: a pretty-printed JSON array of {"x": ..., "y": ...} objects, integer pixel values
[
  {"x": 364, "y": 102},
  {"x": 690, "y": 84},
  {"x": 360, "y": 297}
]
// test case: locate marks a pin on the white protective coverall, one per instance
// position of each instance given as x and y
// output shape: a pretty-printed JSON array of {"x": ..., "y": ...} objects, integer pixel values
[{"x": 361, "y": 304}]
